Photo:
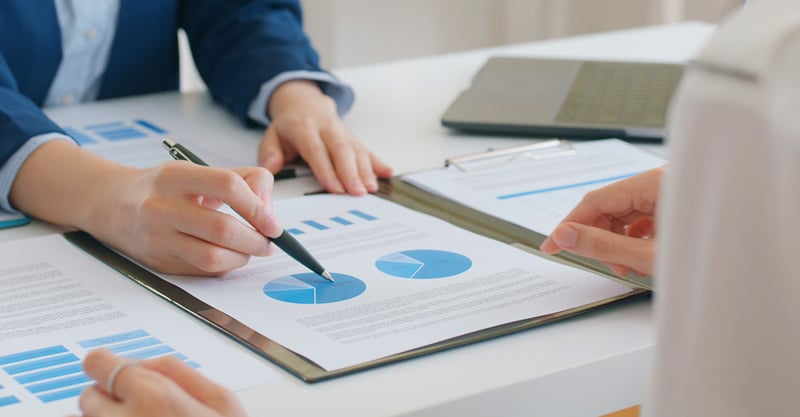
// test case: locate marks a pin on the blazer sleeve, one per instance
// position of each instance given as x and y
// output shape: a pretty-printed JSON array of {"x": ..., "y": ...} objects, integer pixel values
[
  {"x": 20, "y": 118},
  {"x": 238, "y": 45}
]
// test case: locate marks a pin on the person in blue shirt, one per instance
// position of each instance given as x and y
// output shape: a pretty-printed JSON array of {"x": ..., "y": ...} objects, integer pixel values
[{"x": 256, "y": 61}]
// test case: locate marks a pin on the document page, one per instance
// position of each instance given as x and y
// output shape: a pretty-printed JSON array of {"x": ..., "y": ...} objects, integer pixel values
[
  {"x": 57, "y": 303},
  {"x": 403, "y": 280},
  {"x": 537, "y": 193}
]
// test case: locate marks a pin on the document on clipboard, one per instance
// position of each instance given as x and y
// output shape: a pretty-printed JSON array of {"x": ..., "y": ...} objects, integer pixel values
[
  {"x": 534, "y": 186},
  {"x": 406, "y": 284}
]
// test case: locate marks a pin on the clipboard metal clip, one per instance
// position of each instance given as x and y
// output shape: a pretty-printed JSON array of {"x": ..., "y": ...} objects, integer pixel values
[{"x": 554, "y": 148}]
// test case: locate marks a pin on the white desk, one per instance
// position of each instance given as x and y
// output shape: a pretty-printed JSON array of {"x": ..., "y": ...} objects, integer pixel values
[{"x": 585, "y": 366}]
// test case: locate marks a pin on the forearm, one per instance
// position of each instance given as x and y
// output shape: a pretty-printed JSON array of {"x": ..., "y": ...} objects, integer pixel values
[{"x": 64, "y": 184}]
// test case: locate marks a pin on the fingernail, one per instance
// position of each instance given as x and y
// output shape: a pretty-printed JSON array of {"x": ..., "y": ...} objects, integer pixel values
[
  {"x": 546, "y": 246},
  {"x": 371, "y": 184},
  {"x": 566, "y": 236},
  {"x": 358, "y": 189}
]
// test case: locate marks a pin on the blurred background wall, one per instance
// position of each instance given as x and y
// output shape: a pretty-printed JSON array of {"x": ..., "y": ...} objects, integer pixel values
[{"x": 357, "y": 32}]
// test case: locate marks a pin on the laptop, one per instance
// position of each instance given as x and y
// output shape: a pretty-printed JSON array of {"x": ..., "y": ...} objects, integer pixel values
[{"x": 567, "y": 99}]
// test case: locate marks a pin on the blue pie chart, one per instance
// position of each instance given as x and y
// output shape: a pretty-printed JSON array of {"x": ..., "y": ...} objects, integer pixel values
[
  {"x": 423, "y": 264},
  {"x": 310, "y": 288}
]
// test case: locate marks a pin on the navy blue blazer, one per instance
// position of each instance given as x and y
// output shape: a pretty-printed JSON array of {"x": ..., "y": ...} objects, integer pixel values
[{"x": 237, "y": 45}]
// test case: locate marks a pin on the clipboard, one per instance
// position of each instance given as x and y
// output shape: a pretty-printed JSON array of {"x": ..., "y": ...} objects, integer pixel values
[
  {"x": 297, "y": 365},
  {"x": 397, "y": 191},
  {"x": 421, "y": 199}
]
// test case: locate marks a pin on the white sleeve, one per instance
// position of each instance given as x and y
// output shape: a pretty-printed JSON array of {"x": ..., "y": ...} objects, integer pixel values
[{"x": 728, "y": 264}]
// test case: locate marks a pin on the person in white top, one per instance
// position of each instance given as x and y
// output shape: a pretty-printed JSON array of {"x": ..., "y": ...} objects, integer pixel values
[{"x": 728, "y": 231}]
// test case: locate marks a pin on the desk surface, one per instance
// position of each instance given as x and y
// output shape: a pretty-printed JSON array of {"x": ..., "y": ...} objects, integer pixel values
[{"x": 586, "y": 366}]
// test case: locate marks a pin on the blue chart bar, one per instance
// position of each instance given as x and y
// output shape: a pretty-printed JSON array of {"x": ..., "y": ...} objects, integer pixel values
[
  {"x": 59, "y": 383},
  {"x": 136, "y": 344},
  {"x": 49, "y": 373},
  {"x": 4, "y": 401},
  {"x": 343, "y": 222},
  {"x": 295, "y": 231},
  {"x": 316, "y": 225},
  {"x": 363, "y": 215},
  {"x": 63, "y": 394},
  {"x": 150, "y": 126},
  {"x": 149, "y": 353},
  {"x": 40, "y": 364},
  {"x": 115, "y": 131},
  {"x": 114, "y": 338},
  {"x": 31, "y": 354},
  {"x": 104, "y": 126},
  {"x": 79, "y": 137}
]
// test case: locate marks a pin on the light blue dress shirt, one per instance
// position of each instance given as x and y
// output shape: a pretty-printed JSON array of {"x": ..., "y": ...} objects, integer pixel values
[{"x": 87, "y": 32}]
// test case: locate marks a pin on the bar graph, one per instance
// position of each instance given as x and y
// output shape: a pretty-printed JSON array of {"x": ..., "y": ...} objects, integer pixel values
[
  {"x": 114, "y": 131},
  {"x": 347, "y": 219},
  {"x": 55, "y": 373}
]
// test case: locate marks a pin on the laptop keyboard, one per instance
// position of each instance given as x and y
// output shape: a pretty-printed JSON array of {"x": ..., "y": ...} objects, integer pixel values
[{"x": 609, "y": 93}]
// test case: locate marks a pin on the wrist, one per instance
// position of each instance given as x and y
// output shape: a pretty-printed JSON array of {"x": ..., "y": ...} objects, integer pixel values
[
  {"x": 292, "y": 92},
  {"x": 64, "y": 184}
]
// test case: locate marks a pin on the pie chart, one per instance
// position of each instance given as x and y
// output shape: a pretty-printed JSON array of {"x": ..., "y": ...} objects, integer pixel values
[
  {"x": 423, "y": 264},
  {"x": 310, "y": 288}
]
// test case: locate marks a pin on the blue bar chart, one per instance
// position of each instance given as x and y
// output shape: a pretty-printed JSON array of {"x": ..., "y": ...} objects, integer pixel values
[
  {"x": 55, "y": 373},
  {"x": 346, "y": 219},
  {"x": 114, "y": 131}
]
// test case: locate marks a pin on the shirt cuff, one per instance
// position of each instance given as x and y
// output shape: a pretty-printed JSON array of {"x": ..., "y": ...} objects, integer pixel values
[
  {"x": 341, "y": 93},
  {"x": 9, "y": 170}
]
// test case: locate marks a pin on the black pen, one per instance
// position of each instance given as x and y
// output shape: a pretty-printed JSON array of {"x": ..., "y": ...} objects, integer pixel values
[{"x": 285, "y": 241}]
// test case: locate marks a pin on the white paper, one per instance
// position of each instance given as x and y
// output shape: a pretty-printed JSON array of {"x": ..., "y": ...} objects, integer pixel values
[
  {"x": 537, "y": 193},
  {"x": 131, "y": 132},
  {"x": 57, "y": 303},
  {"x": 415, "y": 280}
]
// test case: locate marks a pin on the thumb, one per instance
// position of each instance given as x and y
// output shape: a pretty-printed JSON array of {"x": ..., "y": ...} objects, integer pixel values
[{"x": 603, "y": 245}]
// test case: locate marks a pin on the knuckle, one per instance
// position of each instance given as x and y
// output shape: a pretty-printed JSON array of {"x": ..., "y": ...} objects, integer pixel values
[
  {"x": 213, "y": 260},
  {"x": 222, "y": 228},
  {"x": 300, "y": 123},
  {"x": 597, "y": 245},
  {"x": 314, "y": 147},
  {"x": 226, "y": 399},
  {"x": 153, "y": 389},
  {"x": 591, "y": 197},
  {"x": 163, "y": 174},
  {"x": 229, "y": 180},
  {"x": 264, "y": 173}
]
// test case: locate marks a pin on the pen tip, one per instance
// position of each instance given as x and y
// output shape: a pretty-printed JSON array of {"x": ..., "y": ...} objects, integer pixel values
[{"x": 327, "y": 275}]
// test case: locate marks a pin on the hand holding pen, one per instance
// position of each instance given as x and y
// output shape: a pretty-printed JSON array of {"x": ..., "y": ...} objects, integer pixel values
[{"x": 284, "y": 240}]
